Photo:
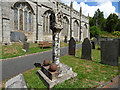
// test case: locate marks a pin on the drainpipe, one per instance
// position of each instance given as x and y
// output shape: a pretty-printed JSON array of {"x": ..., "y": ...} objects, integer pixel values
[
  {"x": 71, "y": 5},
  {"x": 36, "y": 20},
  {"x": 80, "y": 24}
]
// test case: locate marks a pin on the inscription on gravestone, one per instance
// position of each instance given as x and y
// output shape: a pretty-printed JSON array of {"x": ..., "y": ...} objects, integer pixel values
[
  {"x": 86, "y": 49},
  {"x": 109, "y": 52},
  {"x": 72, "y": 46}
]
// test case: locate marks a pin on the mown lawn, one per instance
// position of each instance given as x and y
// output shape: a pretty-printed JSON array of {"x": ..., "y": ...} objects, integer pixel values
[
  {"x": 16, "y": 49},
  {"x": 90, "y": 73}
]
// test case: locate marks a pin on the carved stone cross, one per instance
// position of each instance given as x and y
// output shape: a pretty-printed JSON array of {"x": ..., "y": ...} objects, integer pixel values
[{"x": 56, "y": 26}]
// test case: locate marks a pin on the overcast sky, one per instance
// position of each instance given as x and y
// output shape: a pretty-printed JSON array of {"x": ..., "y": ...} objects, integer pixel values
[{"x": 90, "y": 6}]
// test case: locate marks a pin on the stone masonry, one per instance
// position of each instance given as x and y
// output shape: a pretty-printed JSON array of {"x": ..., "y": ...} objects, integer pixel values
[{"x": 32, "y": 17}]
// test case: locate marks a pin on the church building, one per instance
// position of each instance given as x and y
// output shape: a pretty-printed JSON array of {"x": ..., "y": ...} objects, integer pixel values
[{"x": 32, "y": 18}]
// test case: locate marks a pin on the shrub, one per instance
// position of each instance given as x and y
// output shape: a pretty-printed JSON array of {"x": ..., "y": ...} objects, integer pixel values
[
  {"x": 117, "y": 33},
  {"x": 94, "y": 31}
]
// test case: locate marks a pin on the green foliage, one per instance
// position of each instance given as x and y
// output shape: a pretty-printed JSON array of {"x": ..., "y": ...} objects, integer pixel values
[
  {"x": 98, "y": 20},
  {"x": 94, "y": 30},
  {"x": 118, "y": 25},
  {"x": 117, "y": 33},
  {"x": 112, "y": 22}
]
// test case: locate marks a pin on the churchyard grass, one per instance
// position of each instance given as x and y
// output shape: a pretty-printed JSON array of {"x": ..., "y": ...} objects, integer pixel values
[
  {"x": 90, "y": 73},
  {"x": 16, "y": 49}
]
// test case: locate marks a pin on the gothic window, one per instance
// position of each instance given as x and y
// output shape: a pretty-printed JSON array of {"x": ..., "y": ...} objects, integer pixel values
[
  {"x": 46, "y": 22},
  {"x": 76, "y": 28},
  {"x": 21, "y": 19},
  {"x": 65, "y": 26},
  {"x": 22, "y": 16}
]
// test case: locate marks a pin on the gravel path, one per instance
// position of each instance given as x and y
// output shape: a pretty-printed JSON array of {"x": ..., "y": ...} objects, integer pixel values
[{"x": 12, "y": 67}]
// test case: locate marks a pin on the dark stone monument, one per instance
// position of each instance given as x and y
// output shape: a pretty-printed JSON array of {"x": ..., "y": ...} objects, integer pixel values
[
  {"x": 65, "y": 40},
  {"x": 93, "y": 45},
  {"x": 86, "y": 49},
  {"x": 109, "y": 52},
  {"x": 72, "y": 46},
  {"x": 17, "y": 36},
  {"x": 118, "y": 46}
]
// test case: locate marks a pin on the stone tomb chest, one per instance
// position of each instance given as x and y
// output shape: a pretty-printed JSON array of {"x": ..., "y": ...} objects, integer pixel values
[
  {"x": 17, "y": 36},
  {"x": 109, "y": 52}
]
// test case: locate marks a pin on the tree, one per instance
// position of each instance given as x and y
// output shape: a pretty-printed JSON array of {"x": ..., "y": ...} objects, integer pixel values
[
  {"x": 94, "y": 31},
  {"x": 118, "y": 25},
  {"x": 112, "y": 22},
  {"x": 98, "y": 20}
]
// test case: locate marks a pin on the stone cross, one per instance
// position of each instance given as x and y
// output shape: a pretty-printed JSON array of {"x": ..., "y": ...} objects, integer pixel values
[{"x": 56, "y": 27}]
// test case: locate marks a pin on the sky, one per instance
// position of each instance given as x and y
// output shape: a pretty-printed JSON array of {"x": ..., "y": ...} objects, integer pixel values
[{"x": 90, "y": 6}]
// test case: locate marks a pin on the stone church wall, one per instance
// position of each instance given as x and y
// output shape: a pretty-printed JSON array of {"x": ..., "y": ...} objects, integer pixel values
[{"x": 40, "y": 9}]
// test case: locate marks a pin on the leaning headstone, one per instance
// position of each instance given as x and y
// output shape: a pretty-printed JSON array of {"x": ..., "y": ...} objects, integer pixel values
[
  {"x": 93, "y": 45},
  {"x": 109, "y": 52},
  {"x": 16, "y": 82},
  {"x": 86, "y": 49},
  {"x": 65, "y": 40},
  {"x": 26, "y": 45},
  {"x": 72, "y": 46}
]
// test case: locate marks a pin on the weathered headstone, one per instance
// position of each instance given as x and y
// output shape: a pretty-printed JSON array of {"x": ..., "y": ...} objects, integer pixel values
[
  {"x": 93, "y": 45},
  {"x": 16, "y": 82},
  {"x": 86, "y": 49},
  {"x": 26, "y": 45},
  {"x": 109, "y": 52},
  {"x": 72, "y": 46},
  {"x": 65, "y": 40}
]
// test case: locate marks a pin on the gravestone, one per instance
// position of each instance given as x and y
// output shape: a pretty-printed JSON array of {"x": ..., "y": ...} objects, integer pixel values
[
  {"x": 94, "y": 40},
  {"x": 109, "y": 52},
  {"x": 118, "y": 46},
  {"x": 16, "y": 82},
  {"x": 93, "y": 45},
  {"x": 17, "y": 36},
  {"x": 86, "y": 49},
  {"x": 65, "y": 40},
  {"x": 26, "y": 45},
  {"x": 72, "y": 46}
]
